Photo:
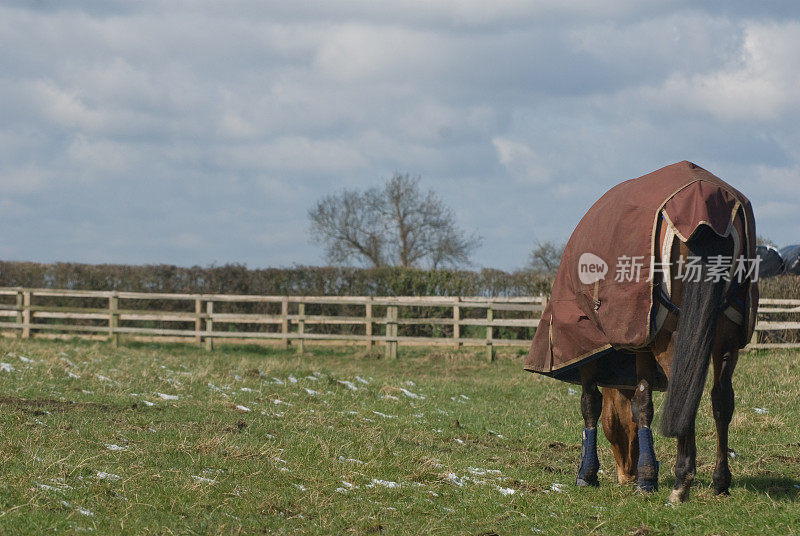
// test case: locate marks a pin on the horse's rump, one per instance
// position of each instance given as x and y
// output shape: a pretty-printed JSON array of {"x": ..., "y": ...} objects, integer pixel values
[{"x": 592, "y": 317}]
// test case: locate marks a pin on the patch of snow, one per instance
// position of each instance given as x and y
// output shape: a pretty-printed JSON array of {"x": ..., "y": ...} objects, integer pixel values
[
  {"x": 102, "y": 475},
  {"x": 6, "y": 367},
  {"x": 481, "y": 472},
  {"x": 167, "y": 397},
  {"x": 348, "y": 384},
  {"x": 454, "y": 479},
  {"x": 459, "y": 441},
  {"x": 760, "y": 411},
  {"x": 390, "y": 397},
  {"x": 73, "y": 375},
  {"x": 115, "y": 447},
  {"x": 353, "y": 460},
  {"x": 277, "y": 380},
  {"x": 409, "y": 394},
  {"x": 204, "y": 479},
  {"x": 26, "y": 359},
  {"x": 506, "y": 491},
  {"x": 243, "y": 408},
  {"x": 384, "y": 415},
  {"x": 106, "y": 379},
  {"x": 292, "y": 379},
  {"x": 312, "y": 392},
  {"x": 385, "y": 483},
  {"x": 362, "y": 380},
  {"x": 46, "y": 487},
  {"x": 247, "y": 389},
  {"x": 147, "y": 403},
  {"x": 217, "y": 389},
  {"x": 557, "y": 487}
]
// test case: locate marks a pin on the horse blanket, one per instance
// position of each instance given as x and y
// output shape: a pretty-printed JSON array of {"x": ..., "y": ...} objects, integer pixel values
[{"x": 602, "y": 302}]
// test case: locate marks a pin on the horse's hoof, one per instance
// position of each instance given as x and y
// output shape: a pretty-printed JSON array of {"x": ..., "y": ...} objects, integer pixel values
[
  {"x": 647, "y": 486},
  {"x": 679, "y": 495},
  {"x": 724, "y": 491},
  {"x": 581, "y": 483}
]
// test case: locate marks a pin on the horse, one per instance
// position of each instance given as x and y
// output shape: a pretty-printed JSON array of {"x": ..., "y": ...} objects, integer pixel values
[{"x": 690, "y": 322}]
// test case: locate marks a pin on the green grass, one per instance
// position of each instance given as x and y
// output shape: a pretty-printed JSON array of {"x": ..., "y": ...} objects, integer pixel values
[{"x": 335, "y": 460}]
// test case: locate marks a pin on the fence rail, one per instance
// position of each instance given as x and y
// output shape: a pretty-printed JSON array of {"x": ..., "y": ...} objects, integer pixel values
[{"x": 389, "y": 321}]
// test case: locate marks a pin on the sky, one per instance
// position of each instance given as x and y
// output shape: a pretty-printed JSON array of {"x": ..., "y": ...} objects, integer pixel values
[{"x": 193, "y": 132}]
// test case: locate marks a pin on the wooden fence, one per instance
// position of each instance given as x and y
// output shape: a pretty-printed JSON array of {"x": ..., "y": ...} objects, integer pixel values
[{"x": 387, "y": 321}]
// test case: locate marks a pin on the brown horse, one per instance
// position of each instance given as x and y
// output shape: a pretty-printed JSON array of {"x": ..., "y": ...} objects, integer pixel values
[
  {"x": 631, "y": 335},
  {"x": 697, "y": 320}
]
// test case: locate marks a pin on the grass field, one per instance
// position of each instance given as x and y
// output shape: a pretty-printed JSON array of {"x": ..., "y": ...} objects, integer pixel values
[{"x": 174, "y": 440}]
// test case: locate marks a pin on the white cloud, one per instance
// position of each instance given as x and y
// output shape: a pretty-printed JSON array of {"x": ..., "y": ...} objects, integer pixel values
[
  {"x": 761, "y": 84},
  {"x": 521, "y": 161}
]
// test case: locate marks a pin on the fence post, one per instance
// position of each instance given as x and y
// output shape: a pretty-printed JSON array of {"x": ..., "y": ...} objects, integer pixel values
[
  {"x": 285, "y": 321},
  {"x": 489, "y": 335},
  {"x": 391, "y": 332},
  {"x": 26, "y": 314},
  {"x": 19, "y": 312},
  {"x": 301, "y": 327},
  {"x": 368, "y": 324},
  {"x": 113, "y": 319},
  {"x": 209, "y": 325},
  {"x": 198, "y": 321},
  {"x": 457, "y": 323}
]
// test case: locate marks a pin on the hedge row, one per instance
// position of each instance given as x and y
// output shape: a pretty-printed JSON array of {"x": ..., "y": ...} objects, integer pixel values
[
  {"x": 301, "y": 280},
  {"x": 298, "y": 281}
]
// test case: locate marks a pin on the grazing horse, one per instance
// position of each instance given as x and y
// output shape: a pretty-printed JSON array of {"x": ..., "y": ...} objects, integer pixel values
[{"x": 678, "y": 322}]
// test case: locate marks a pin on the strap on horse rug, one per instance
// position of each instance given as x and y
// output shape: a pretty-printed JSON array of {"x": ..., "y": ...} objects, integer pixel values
[{"x": 602, "y": 302}]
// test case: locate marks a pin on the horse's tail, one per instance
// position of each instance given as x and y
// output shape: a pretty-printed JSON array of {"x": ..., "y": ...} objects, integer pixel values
[{"x": 697, "y": 323}]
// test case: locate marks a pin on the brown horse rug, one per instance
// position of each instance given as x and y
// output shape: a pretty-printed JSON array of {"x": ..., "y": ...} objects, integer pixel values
[{"x": 611, "y": 292}]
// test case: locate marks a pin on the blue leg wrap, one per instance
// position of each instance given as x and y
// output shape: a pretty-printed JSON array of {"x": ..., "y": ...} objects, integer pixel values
[
  {"x": 587, "y": 472},
  {"x": 647, "y": 470}
]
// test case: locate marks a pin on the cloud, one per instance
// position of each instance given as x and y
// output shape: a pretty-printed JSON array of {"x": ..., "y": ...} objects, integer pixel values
[
  {"x": 520, "y": 161},
  {"x": 759, "y": 84},
  {"x": 168, "y": 121}
]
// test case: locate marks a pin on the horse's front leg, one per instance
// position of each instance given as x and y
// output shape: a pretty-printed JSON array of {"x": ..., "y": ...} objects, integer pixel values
[
  {"x": 591, "y": 406},
  {"x": 684, "y": 467},
  {"x": 722, "y": 403},
  {"x": 642, "y": 409}
]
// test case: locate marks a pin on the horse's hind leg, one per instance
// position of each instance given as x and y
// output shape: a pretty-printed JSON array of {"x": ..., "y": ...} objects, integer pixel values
[
  {"x": 722, "y": 404},
  {"x": 591, "y": 405},
  {"x": 620, "y": 431},
  {"x": 642, "y": 409}
]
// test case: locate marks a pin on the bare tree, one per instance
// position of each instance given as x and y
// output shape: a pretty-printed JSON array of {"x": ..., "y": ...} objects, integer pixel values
[
  {"x": 546, "y": 257},
  {"x": 762, "y": 240},
  {"x": 396, "y": 224}
]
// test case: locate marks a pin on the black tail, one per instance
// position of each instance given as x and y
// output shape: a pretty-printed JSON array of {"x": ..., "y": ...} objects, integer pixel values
[{"x": 697, "y": 323}]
